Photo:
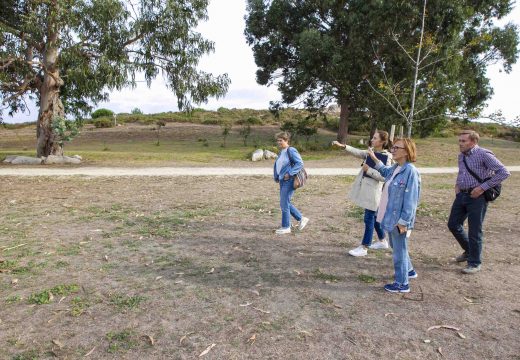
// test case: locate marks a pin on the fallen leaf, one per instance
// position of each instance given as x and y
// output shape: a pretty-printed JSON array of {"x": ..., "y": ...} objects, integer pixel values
[
  {"x": 337, "y": 306},
  {"x": 246, "y": 304},
  {"x": 297, "y": 272},
  {"x": 252, "y": 339},
  {"x": 106, "y": 257},
  {"x": 427, "y": 341},
  {"x": 207, "y": 350},
  {"x": 14, "y": 281},
  {"x": 150, "y": 339},
  {"x": 211, "y": 271},
  {"x": 158, "y": 278},
  {"x": 90, "y": 352},
  {"x": 440, "y": 351},
  {"x": 51, "y": 297},
  {"x": 461, "y": 335},
  {"x": 388, "y": 314},
  {"x": 57, "y": 343},
  {"x": 255, "y": 292},
  {"x": 184, "y": 337},
  {"x": 178, "y": 282},
  {"x": 263, "y": 311},
  {"x": 306, "y": 333},
  {"x": 443, "y": 326},
  {"x": 62, "y": 298}
]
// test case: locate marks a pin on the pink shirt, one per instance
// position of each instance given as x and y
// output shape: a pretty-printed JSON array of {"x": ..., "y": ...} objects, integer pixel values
[{"x": 384, "y": 197}]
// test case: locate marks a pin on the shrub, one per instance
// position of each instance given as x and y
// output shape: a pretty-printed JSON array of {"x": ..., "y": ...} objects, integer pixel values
[
  {"x": 103, "y": 123},
  {"x": 101, "y": 112}
]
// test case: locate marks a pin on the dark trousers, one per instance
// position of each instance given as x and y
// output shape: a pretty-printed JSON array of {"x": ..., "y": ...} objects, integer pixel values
[{"x": 464, "y": 207}]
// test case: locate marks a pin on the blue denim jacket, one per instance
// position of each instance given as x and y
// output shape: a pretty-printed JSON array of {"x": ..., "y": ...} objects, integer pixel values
[
  {"x": 293, "y": 167},
  {"x": 403, "y": 195}
]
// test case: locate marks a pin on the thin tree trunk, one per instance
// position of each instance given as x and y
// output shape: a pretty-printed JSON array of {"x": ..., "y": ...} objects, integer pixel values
[
  {"x": 50, "y": 103},
  {"x": 343, "y": 121},
  {"x": 409, "y": 121}
]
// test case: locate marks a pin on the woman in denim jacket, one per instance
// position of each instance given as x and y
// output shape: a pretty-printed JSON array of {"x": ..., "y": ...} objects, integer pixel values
[
  {"x": 286, "y": 166},
  {"x": 397, "y": 216}
]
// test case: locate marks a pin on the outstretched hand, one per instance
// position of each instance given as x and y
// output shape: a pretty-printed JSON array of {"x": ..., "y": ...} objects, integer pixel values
[
  {"x": 338, "y": 144},
  {"x": 370, "y": 153}
]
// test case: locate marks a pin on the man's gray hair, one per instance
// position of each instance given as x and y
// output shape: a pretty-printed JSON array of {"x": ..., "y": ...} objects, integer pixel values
[{"x": 472, "y": 135}]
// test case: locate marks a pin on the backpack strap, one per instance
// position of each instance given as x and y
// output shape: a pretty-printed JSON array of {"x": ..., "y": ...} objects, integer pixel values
[{"x": 470, "y": 171}]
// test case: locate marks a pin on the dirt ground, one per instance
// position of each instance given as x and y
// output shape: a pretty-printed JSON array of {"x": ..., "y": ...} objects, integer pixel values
[{"x": 163, "y": 268}]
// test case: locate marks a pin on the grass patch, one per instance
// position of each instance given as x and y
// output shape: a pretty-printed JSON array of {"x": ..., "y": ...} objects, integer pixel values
[
  {"x": 46, "y": 296},
  {"x": 366, "y": 278},
  {"x": 78, "y": 306},
  {"x": 13, "y": 299},
  {"x": 27, "y": 355},
  {"x": 318, "y": 274},
  {"x": 323, "y": 300},
  {"x": 125, "y": 302},
  {"x": 122, "y": 340},
  {"x": 355, "y": 212},
  {"x": 431, "y": 210}
]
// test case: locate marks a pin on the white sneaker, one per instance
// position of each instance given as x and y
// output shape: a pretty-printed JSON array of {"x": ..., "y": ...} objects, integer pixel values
[
  {"x": 303, "y": 223},
  {"x": 359, "y": 251},
  {"x": 282, "y": 231},
  {"x": 383, "y": 244}
]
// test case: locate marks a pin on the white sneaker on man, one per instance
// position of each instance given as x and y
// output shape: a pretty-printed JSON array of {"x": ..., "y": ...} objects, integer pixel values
[
  {"x": 359, "y": 251},
  {"x": 383, "y": 244},
  {"x": 282, "y": 231},
  {"x": 303, "y": 223}
]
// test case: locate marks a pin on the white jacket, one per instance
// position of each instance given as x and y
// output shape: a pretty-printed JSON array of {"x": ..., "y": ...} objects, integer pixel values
[{"x": 366, "y": 191}]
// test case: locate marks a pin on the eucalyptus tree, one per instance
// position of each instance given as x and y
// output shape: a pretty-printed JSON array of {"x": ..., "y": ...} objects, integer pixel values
[
  {"x": 67, "y": 55},
  {"x": 318, "y": 51},
  {"x": 315, "y": 51},
  {"x": 433, "y": 65}
]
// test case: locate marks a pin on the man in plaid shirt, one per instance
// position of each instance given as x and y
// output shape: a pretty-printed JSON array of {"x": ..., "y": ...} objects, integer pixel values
[{"x": 469, "y": 200}]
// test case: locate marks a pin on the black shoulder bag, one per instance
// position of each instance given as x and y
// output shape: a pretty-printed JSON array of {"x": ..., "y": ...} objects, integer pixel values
[{"x": 490, "y": 194}]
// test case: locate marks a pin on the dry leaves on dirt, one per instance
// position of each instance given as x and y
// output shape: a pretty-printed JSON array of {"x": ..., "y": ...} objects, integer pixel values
[{"x": 207, "y": 350}]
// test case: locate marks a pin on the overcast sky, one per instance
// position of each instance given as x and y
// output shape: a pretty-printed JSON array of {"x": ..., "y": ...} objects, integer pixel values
[{"x": 233, "y": 56}]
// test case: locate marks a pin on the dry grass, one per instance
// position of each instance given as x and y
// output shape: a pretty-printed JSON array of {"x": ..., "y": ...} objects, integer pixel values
[{"x": 161, "y": 268}]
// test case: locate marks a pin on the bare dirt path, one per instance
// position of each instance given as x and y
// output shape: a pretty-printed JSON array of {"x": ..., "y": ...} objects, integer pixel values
[{"x": 193, "y": 171}]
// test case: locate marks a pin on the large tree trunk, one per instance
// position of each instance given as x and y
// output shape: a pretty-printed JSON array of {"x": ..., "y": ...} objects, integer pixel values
[
  {"x": 343, "y": 121},
  {"x": 50, "y": 103}
]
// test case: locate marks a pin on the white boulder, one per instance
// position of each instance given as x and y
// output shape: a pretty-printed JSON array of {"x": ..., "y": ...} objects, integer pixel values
[
  {"x": 258, "y": 155},
  {"x": 54, "y": 159},
  {"x": 269, "y": 155},
  {"x": 23, "y": 160}
]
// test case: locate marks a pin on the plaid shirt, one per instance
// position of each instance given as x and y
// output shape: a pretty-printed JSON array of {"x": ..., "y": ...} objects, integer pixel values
[{"x": 483, "y": 163}]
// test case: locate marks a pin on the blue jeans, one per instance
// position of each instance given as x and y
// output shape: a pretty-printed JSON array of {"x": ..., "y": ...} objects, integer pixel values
[
  {"x": 464, "y": 207},
  {"x": 402, "y": 262},
  {"x": 370, "y": 225},
  {"x": 288, "y": 209}
]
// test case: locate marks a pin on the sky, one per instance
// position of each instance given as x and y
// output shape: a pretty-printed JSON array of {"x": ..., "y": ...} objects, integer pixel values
[{"x": 225, "y": 27}]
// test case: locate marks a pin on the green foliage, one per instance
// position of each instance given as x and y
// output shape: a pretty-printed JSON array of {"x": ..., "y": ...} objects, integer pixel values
[
  {"x": 44, "y": 297},
  {"x": 226, "y": 126},
  {"x": 124, "y": 302},
  {"x": 136, "y": 111},
  {"x": 102, "y": 113},
  {"x": 89, "y": 47},
  {"x": 122, "y": 340},
  {"x": 323, "y": 52},
  {"x": 103, "y": 123},
  {"x": 65, "y": 130}
]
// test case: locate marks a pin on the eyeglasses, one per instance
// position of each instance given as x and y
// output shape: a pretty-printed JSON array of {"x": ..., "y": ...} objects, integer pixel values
[{"x": 394, "y": 148}]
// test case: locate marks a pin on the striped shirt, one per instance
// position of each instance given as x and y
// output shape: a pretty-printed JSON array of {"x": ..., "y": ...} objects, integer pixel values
[{"x": 484, "y": 164}]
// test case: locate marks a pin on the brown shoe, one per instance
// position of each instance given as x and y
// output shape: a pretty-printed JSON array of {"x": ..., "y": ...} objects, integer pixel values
[{"x": 463, "y": 257}]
